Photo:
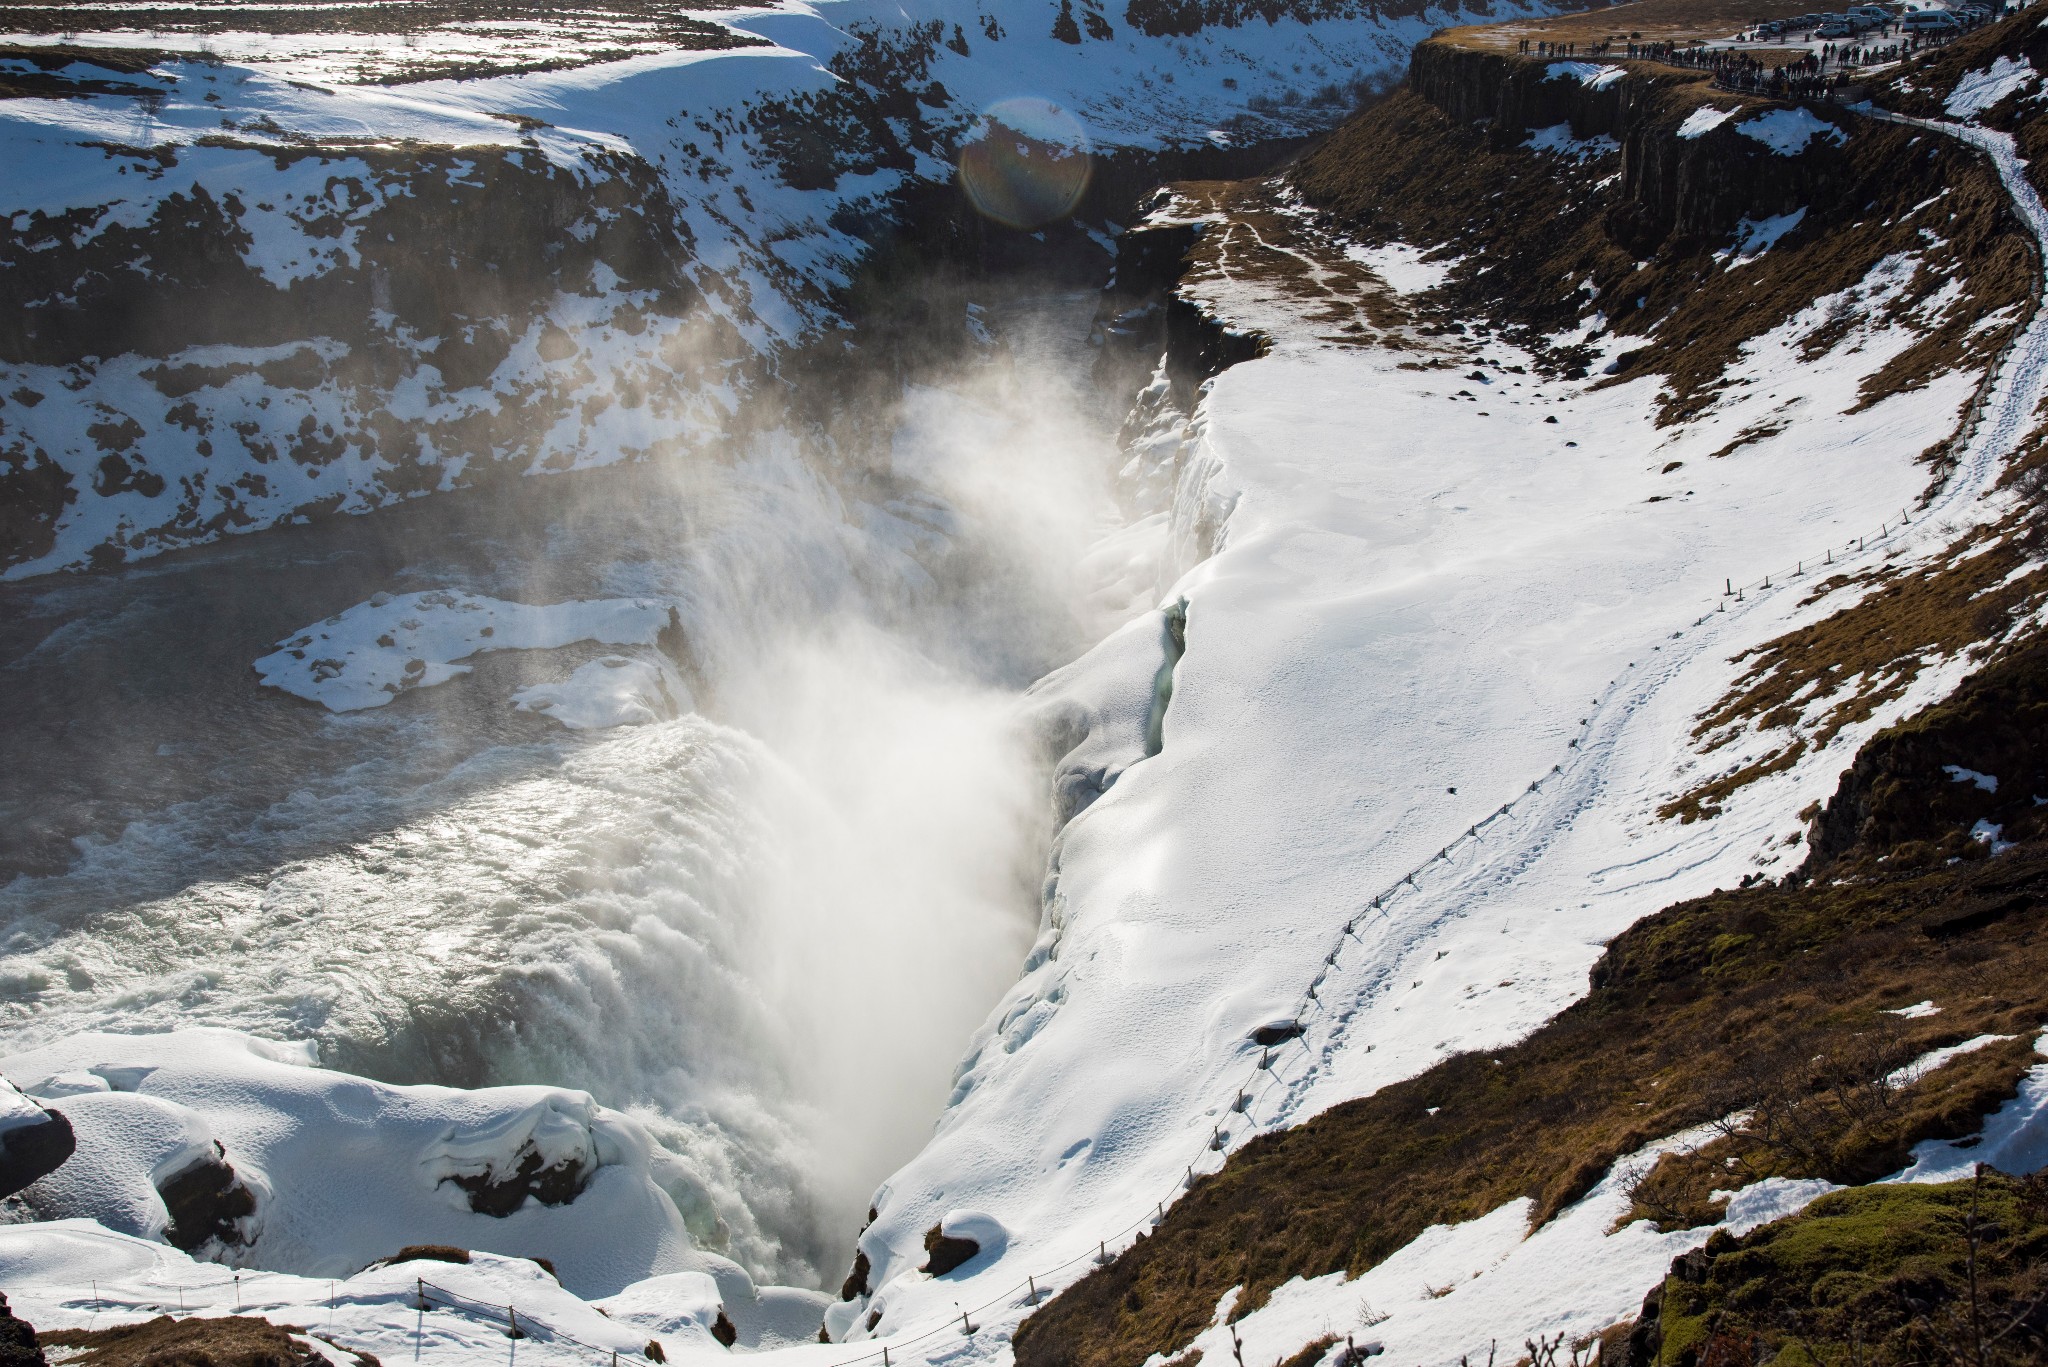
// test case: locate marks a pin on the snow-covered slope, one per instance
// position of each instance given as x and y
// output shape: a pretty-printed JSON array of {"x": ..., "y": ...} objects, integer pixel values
[{"x": 1436, "y": 681}]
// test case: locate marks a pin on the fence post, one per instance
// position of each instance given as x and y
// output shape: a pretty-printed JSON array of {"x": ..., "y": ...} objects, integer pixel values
[{"x": 419, "y": 1286}]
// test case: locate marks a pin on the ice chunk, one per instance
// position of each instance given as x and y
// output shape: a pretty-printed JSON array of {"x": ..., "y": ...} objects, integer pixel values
[
  {"x": 543, "y": 1153},
  {"x": 607, "y": 692},
  {"x": 343, "y": 1171},
  {"x": 369, "y": 654}
]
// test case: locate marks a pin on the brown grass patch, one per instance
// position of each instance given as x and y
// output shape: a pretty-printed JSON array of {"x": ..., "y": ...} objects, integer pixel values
[
  {"x": 1812, "y": 682},
  {"x": 234, "y": 1341},
  {"x": 1830, "y": 1113}
]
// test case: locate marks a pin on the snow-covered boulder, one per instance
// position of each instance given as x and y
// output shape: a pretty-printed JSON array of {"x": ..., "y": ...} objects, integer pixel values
[
  {"x": 34, "y": 1141},
  {"x": 245, "y": 1150},
  {"x": 960, "y": 1237}
]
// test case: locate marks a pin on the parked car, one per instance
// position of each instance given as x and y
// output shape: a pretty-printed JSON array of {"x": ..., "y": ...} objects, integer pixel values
[{"x": 1932, "y": 22}]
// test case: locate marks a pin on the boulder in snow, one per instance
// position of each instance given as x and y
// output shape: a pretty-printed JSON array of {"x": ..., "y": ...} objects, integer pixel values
[
  {"x": 960, "y": 1238},
  {"x": 214, "y": 1141},
  {"x": 34, "y": 1141}
]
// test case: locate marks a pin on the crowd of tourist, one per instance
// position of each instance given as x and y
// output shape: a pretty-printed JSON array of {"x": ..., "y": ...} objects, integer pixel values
[{"x": 1819, "y": 74}]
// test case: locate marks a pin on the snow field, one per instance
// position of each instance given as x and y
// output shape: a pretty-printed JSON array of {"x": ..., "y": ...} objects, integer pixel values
[
  {"x": 607, "y": 692},
  {"x": 1978, "y": 90}
]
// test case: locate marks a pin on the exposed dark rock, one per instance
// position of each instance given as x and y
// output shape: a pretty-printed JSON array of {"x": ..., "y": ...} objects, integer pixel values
[
  {"x": 1908, "y": 784},
  {"x": 653, "y": 1351},
  {"x": 1142, "y": 314},
  {"x": 30, "y": 1151},
  {"x": 856, "y": 1283},
  {"x": 18, "y": 1347},
  {"x": 943, "y": 1253},
  {"x": 1266, "y": 1036},
  {"x": 723, "y": 1330},
  {"x": 1695, "y": 188},
  {"x": 556, "y": 1184},
  {"x": 207, "y": 1201}
]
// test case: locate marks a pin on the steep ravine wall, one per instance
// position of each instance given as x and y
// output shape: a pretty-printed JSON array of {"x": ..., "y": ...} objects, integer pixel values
[
  {"x": 561, "y": 270},
  {"x": 380, "y": 324}
]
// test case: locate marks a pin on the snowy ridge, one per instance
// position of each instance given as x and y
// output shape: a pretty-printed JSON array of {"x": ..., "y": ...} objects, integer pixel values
[{"x": 715, "y": 150}]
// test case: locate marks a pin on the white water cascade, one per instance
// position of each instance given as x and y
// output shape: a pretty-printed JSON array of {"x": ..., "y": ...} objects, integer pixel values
[{"x": 767, "y": 927}]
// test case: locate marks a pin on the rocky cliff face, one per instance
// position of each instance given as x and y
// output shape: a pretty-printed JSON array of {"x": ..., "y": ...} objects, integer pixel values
[
  {"x": 1638, "y": 219},
  {"x": 271, "y": 299},
  {"x": 378, "y": 325},
  {"x": 1697, "y": 185}
]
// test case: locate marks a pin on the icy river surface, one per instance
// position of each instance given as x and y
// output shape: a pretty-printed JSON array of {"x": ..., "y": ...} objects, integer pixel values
[{"x": 762, "y": 903}]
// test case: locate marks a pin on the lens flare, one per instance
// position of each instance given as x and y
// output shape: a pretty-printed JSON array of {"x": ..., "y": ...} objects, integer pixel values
[{"x": 1026, "y": 164}]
